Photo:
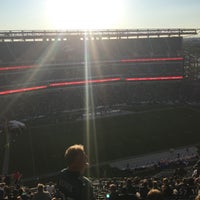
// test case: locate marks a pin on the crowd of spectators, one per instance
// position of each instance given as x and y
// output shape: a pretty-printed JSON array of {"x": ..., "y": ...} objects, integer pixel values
[
  {"x": 47, "y": 102},
  {"x": 161, "y": 161},
  {"x": 176, "y": 187}
]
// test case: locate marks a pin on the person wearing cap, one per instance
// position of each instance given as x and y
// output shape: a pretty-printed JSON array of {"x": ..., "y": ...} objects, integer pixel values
[{"x": 71, "y": 182}]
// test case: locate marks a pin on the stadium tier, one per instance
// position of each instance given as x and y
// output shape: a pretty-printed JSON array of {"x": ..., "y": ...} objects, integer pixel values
[
  {"x": 76, "y": 50},
  {"x": 32, "y": 65}
]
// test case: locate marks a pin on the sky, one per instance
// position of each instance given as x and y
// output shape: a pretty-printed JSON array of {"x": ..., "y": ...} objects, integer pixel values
[{"x": 98, "y": 14}]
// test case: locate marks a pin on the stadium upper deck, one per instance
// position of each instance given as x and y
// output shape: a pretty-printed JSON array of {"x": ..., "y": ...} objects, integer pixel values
[
  {"x": 32, "y": 47},
  {"x": 52, "y": 58}
]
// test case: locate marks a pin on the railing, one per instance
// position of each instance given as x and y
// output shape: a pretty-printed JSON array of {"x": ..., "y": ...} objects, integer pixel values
[{"x": 51, "y": 35}]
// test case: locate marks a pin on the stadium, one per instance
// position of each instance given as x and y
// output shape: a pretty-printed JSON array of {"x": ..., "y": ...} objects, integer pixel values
[{"x": 121, "y": 93}]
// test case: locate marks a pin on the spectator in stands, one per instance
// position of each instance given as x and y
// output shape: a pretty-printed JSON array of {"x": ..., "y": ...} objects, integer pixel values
[
  {"x": 2, "y": 190},
  {"x": 10, "y": 192},
  {"x": 196, "y": 171},
  {"x": 23, "y": 195},
  {"x": 129, "y": 189},
  {"x": 41, "y": 194},
  {"x": 17, "y": 177},
  {"x": 57, "y": 194},
  {"x": 71, "y": 181},
  {"x": 7, "y": 180},
  {"x": 166, "y": 188},
  {"x": 154, "y": 194},
  {"x": 113, "y": 193},
  {"x": 155, "y": 185},
  {"x": 50, "y": 188},
  {"x": 197, "y": 197},
  {"x": 185, "y": 188},
  {"x": 144, "y": 189}
]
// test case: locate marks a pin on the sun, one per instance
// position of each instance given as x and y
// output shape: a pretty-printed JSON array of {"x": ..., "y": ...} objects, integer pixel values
[{"x": 84, "y": 14}]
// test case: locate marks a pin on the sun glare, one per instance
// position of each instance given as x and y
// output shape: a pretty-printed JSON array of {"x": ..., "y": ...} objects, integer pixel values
[{"x": 84, "y": 14}]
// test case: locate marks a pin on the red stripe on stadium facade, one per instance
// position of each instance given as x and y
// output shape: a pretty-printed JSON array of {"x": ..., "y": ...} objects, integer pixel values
[
  {"x": 23, "y": 90},
  {"x": 20, "y": 90},
  {"x": 84, "y": 82},
  {"x": 159, "y": 78},
  {"x": 17, "y": 67}
]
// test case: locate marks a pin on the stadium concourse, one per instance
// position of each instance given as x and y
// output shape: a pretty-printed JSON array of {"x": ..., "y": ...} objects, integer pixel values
[{"x": 133, "y": 89}]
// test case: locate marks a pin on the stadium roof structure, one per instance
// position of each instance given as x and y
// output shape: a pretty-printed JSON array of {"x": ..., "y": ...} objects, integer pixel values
[{"x": 60, "y": 35}]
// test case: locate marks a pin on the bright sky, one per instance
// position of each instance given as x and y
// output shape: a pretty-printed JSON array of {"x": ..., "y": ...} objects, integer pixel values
[{"x": 100, "y": 14}]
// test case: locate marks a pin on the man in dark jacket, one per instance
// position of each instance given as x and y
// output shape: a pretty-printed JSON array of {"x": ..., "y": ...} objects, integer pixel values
[
  {"x": 71, "y": 182},
  {"x": 41, "y": 194}
]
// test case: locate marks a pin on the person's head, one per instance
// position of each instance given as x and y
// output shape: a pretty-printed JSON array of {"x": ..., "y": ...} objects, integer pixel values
[
  {"x": 165, "y": 181},
  {"x": 197, "y": 197},
  {"x": 76, "y": 158},
  {"x": 40, "y": 187},
  {"x": 129, "y": 182},
  {"x": 154, "y": 194},
  {"x": 113, "y": 188}
]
